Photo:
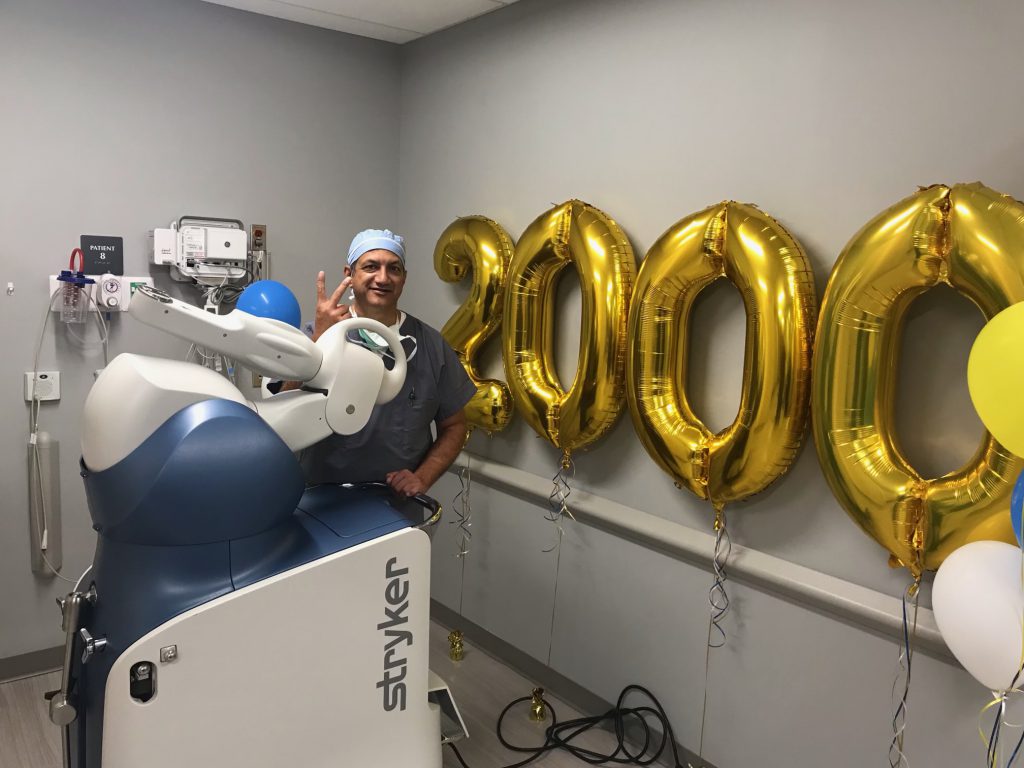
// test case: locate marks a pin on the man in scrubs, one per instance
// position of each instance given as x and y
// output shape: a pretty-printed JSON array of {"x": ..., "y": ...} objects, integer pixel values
[{"x": 397, "y": 444}]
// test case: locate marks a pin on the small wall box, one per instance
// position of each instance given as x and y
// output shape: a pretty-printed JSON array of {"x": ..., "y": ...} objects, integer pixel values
[{"x": 47, "y": 385}]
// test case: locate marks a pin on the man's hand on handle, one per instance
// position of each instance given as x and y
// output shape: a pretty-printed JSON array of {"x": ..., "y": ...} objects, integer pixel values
[
  {"x": 407, "y": 483},
  {"x": 451, "y": 436}
]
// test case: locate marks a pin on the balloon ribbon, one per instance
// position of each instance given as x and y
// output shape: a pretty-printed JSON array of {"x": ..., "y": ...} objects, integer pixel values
[
  {"x": 897, "y": 759},
  {"x": 558, "y": 503},
  {"x": 993, "y": 745},
  {"x": 558, "y": 499},
  {"x": 464, "y": 520},
  {"x": 719, "y": 601}
]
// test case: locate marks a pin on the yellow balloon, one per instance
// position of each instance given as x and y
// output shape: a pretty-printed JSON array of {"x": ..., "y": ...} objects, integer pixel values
[
  {"x": 480, "y": 245},
  {"x": 577, "y": 234},
  {"x": 966, "y": 236},
  {"x": 750, "y": 249},
  {"x": 995, "y": 372}
]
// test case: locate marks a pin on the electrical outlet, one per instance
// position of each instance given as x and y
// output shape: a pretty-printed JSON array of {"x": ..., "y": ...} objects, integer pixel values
[
  {"x": 258, "y": 237},
  {"x": 47, "y": 385}
]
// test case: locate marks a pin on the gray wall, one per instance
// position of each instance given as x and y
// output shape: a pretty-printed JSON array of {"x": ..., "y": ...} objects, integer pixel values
[
  {"x": 823, "y": 114},
  {"x": 121, "y": 115}
]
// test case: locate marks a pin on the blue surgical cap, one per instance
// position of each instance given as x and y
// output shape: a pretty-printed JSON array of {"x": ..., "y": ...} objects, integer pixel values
[{"x": 372, "y": 239}]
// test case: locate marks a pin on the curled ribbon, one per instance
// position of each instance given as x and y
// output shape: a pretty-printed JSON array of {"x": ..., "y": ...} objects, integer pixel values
[
  {"x": 897, "y": 759},
  {"x": 558, "y": 499}
]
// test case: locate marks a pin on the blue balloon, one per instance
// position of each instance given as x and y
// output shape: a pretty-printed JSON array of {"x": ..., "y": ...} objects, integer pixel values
[
  {"x": 1016, "y": 505},
  {"x": 269, "y": 298}
]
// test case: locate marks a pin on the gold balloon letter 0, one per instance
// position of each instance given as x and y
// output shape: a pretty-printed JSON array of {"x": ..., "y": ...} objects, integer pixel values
[
  {"x": 476, "y": 243},
  {"x": 578, "y": 234},
  {"x": 972, "y": 239},
  {"x": 750, "y": 249}
]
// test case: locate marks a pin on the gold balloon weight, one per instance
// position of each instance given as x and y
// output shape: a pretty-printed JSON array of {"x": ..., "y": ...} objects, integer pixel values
[
  {"x": 538, "y": 709},
  {"x": 456, "y": 650}
]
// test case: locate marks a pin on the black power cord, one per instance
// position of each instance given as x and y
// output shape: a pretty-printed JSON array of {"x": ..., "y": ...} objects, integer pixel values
[{"x": 560, "y": 735}]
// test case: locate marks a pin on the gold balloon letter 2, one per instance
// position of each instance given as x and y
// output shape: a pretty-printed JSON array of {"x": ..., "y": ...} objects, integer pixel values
[{"x": 476, "y": 243}]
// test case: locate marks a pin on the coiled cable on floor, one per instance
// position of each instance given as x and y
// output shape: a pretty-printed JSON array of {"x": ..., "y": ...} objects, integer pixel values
[{"x": 650, "y": 722}]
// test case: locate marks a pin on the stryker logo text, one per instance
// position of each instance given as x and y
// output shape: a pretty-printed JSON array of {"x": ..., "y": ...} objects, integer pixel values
[{"x": 396, "y": 597}]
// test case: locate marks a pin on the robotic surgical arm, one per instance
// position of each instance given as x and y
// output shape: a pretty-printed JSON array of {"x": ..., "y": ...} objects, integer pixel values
[{"x": 343, "y": 380}]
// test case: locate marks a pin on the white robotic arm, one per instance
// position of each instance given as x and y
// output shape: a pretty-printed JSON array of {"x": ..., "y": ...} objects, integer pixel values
[
  {"x": 343, "y": 380},
  {"x": 340, "y": 397},
  {"x": 269, "y": 347}
]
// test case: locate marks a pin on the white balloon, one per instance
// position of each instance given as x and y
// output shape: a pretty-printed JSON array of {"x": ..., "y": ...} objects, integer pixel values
[{"x": 978, "y": 600}]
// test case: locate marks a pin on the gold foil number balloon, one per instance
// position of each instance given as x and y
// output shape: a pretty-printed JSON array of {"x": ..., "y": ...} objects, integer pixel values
[
  {"x": 739, "y": 243},
  {"x": 576, "y": 234},
  {"x": 477, "y": 244},
  {"x": 972, "y": 239}
]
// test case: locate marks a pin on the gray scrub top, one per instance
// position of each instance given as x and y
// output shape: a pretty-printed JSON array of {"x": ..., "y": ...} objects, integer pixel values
[{"x": 398, "y": 434}]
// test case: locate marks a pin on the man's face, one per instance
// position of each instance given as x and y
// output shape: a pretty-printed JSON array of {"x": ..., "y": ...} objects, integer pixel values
[{"x": 377, "y": 279}]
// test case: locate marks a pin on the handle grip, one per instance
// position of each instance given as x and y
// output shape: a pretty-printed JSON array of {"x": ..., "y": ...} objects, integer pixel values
[{"x": 427, "y": 502}]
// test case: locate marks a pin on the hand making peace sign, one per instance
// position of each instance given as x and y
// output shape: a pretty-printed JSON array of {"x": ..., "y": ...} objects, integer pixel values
[{"x": 328, "y": 309}]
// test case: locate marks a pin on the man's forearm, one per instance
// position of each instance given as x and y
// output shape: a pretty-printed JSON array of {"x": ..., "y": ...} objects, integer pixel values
[{"x": 450, "y": 440}]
